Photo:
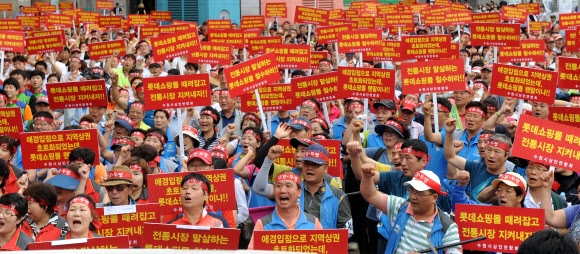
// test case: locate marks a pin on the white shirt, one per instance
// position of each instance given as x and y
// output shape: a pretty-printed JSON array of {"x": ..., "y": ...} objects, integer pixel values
[{"x": 65, "y": 76}]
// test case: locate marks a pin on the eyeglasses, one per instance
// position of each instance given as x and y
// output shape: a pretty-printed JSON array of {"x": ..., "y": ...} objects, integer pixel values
[
  {"x": 119, "y": 188},
  {"x": 7, "y": 213},
  {"x": 417, "y": 193},
  {"x": 538, "y": 169}
]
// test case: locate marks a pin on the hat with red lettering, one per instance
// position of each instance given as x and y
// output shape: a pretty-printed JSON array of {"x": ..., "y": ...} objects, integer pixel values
[
  {"x": 119, "y": 175},
  {"x": 550, "y": 39},
  {"x": 557, "y": 37},
  {"x": 121, "y": 142},
  {"x": 65, "y": 178},
  {"x": 426, "y": 180},
  {"x": 488, "y": 67},
  {"x": 301, "y": 123},
  {"x": 42, "y": 99},
  {"x": 385, "y": 104},
  {"x": 316, "y": 153},
  {"x": 295, "y": 142},
  {"x": 476, "y": 69},
  {"x": 511, "y": 179},
  {"x": 190, "y": 132},
  {"x": 408, "y": 105},
  {"x": 126, "y": 122},
  {"x": 201, "y": 154}
]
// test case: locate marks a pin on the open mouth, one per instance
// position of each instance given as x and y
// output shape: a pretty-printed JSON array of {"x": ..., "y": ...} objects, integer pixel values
[
  {"x": 284, "y": 199},
  {"x": 502, "y": 202},
  {"x": 187, "y": 198},
  {"x": 77, "y": 222}
]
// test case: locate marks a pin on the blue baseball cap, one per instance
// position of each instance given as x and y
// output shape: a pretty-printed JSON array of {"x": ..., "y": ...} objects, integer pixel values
[
  {"x": 66, "y": 179},
  {"x": 300, "y": 123},
  {"x": 126, "y": 122},
  {"x": 316, "y": 153}
]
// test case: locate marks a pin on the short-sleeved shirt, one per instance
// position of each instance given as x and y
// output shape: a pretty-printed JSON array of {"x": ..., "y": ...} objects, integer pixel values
[
  {"x": 469, "y": 151},
  {"x": 384, "y": 159},
  {"x": 437, "y": 162},
  {"x": 479, "y": 177},
  {"x": 572, "y": 221},
  {"x": 123, "y": 80},
  {"x": 415, "y": 234}
]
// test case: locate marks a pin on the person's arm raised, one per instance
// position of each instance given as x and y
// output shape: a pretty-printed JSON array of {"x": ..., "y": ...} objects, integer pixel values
[
  {"x": 556, "y": 219},
  {"x": 433, "y": 137},
  {"x": 452, "y": 158},
  {"x": 355, "y": 150},
  {"x": 367, "y": 187}
]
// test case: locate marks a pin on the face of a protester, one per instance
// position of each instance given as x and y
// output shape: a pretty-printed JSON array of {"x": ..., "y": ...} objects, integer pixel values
[
  {"x": 286, "y": 194},
  {"x": 506, "y": 196},
  {"x": 79, "y": 217},
  {"x": 192, "y": 195}
]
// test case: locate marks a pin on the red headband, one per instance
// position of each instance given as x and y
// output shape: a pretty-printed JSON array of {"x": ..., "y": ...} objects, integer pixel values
[
  {"x": 119, "y": 174},
  {"x": 320, "y": 121},
  {"x": 398, "y": 146},
  {"x": 577, "y": 97},
  {"x": 476, "y": 110},
  {"x": 443, "y": 107},
  {"x": 74, "y": 59},
  {"x": 223, "y": 92},
  {"x": 319, "y": 137},
  {"x": 138, "y": 105},
  {"x": 85, "y": 123},
  {"x": 513, "y": 179},
  {"x": 122, "y": 141},
  {"x": 69, "y": 172},
  {"x": 317, "y": 154},
  {"x": 395, "y": 124},
  {"x": 189, "y": 128},
  {"x": 198, "y": 182},
  {"x": 252, "y": 117},
  {"x": 219, "y": 152},
  {"x": 134, "y": 74},
  {"x": 82, "y": 200},
  {"x": 324, "y": 62},
  {"x": 5, "y": 145},
  {"x": 139, "y": 89},
  {"x": 209, "y": 113},
  {"x": 40, "y": 202},
  {"x": 253, "y": 133},
  {"x": 135, "y": 167},
  {"x": 301, "y": 122},
  {"x": 410, "y": 150},
  {"x": 154, "y": 162},
  {"x": 43, "y": 118},
  {"x": 138, "y": 134},
  {"x": 158, "y": 136},
  {"x": 3, "y": 97},
  {"x": 484, "y": 136},
  {"x": 491, "y": 108},
  {"x": 289, "y": 176},
  {"x": 311, "y": 104},
  {"x": 355, "y": 105},
  {"x": 419, "y": 176},
  {"x": 11, "y": 208},
  {"x": 498, "y": 144}
]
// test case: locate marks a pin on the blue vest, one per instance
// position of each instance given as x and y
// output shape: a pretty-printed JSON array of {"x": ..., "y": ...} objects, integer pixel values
[
  {"x": 273, "y": 222},
  {"x": 170, "y": 148},
  {"x": 401, "y": 221},
  {"x": 328, "y": 207}
]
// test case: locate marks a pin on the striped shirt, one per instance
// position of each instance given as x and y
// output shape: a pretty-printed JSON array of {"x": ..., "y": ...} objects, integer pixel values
[{"x": 414, "y": 236}]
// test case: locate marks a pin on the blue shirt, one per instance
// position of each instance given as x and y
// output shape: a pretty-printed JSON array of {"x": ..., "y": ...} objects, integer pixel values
[
  {"x": 469, "y": 151},
  {"x": 375, "y": 140},
  {"x": 225, "y": 120},
  {"x": 338, "y": 128},
  {"x": 479, "y": 178},
  {"x": 276, "y": 121},
  {"x": 437, "y": 162},
  {"x": 384, "y": 159}
]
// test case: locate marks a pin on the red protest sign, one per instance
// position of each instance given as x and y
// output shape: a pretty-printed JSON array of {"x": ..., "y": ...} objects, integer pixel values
[
  {"x": 257, "y": 44},
  {"x": 73, "y": 13},
  {"x": 114, "y": 242},
  {"x": 555, "y": 144},
  {"x": 573, "y": 40},
  {"x": 366, "y": 22},
  {"x": 337, "y": 22},
  {"x": 568, "y": 72},
  {"x": 352, "y": 13},
  {"x": 30, "y": 10},
  {"x": 44, "y": 44},
  {"x": 318, "y": 241},
  {"x": 290, "y": 56},
  {"x": 105, "y": 5},
  {"x": 218, "y": 24},
  {"x": 174, "y": 28},
  {"x": 274, "y": 97},
  {"x": 160, "y": 16},
  {"x": 228, "y": 36},
  {"x": 523, "y": 83},
  {"x": 149, "y": 31},
  {"x": 88, "y": 93},
  {"x": 10, "y": 24},
  {"x": 89, "y": 17},
  {"x": 528, "y": 51},
  {"x": 38, "y": 4},
  {"x": 9, "y": 116},
  {"x": 436, "y": 19},
  {"x": 569, "y": 21},
  {"x": 336, "y": 14},
  {"x": 12, "y": 41},
  {"x": 173, "y": 45},
  {"x": 110, "y": 21},
  {"x": 6, "y": 7},
  {"x": 565, "y": 115},
  {"x": 313, "y": 16},
  {"x": 252, "y": 22},
  {"x": 433, "y": 76},
  {"x": 360, "y": 41},
  {"x": 505, "y": 227},
  {"x": 366, "y": 82},
  {"x": 532, "y": 8},
  {"x": 29, "y": 22},
  {"x": 47, "y": 9},
  {"x": 164, "y": 236},
  {"x": 315, "y": 57},
  {"x": 276, "y": 10},
  {"x": 253, "y": 33},
  {"x": 391, "y": 51},
  {"x": 457, "y": 17},
  {"x": 63, "y": 6},
  {"x": 103, "y": 50},
  {"x": 139, "y": 20},
  {"x": 514, "y": 14},
  {"x": 46, "y": 33},
  {"x": 250, "y": 75},
  {"x": 165, "y": 190},
  {"x": 495, "y": 34},
  {"x": 426, "y": 47},
  {"x": 323, "y": 87},
  {"x": 58, "y": 20},
  {"x": 51, "y": 148},
  {"x": 212, "y": 53},
  {"x": 489, "y": 17},
  {"x": 128, "y": 224},
  {"x": 404, "y": 19},
  {"x": 331, "y": 145},
  {"x": 177, "y": 91},
  {"x": 539, "y": 26}
]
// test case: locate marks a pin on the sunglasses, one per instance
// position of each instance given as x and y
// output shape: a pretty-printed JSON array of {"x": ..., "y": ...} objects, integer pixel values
[{"x": 119, "y": 188}]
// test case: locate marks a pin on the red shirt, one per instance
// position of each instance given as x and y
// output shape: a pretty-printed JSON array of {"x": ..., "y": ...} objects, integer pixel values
[
  {"x": 205, "y": 220},
  {"x": 11, "y": 245},
  {"x": 11, "y": 186},
  {"x": 50, "y": 232}
]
